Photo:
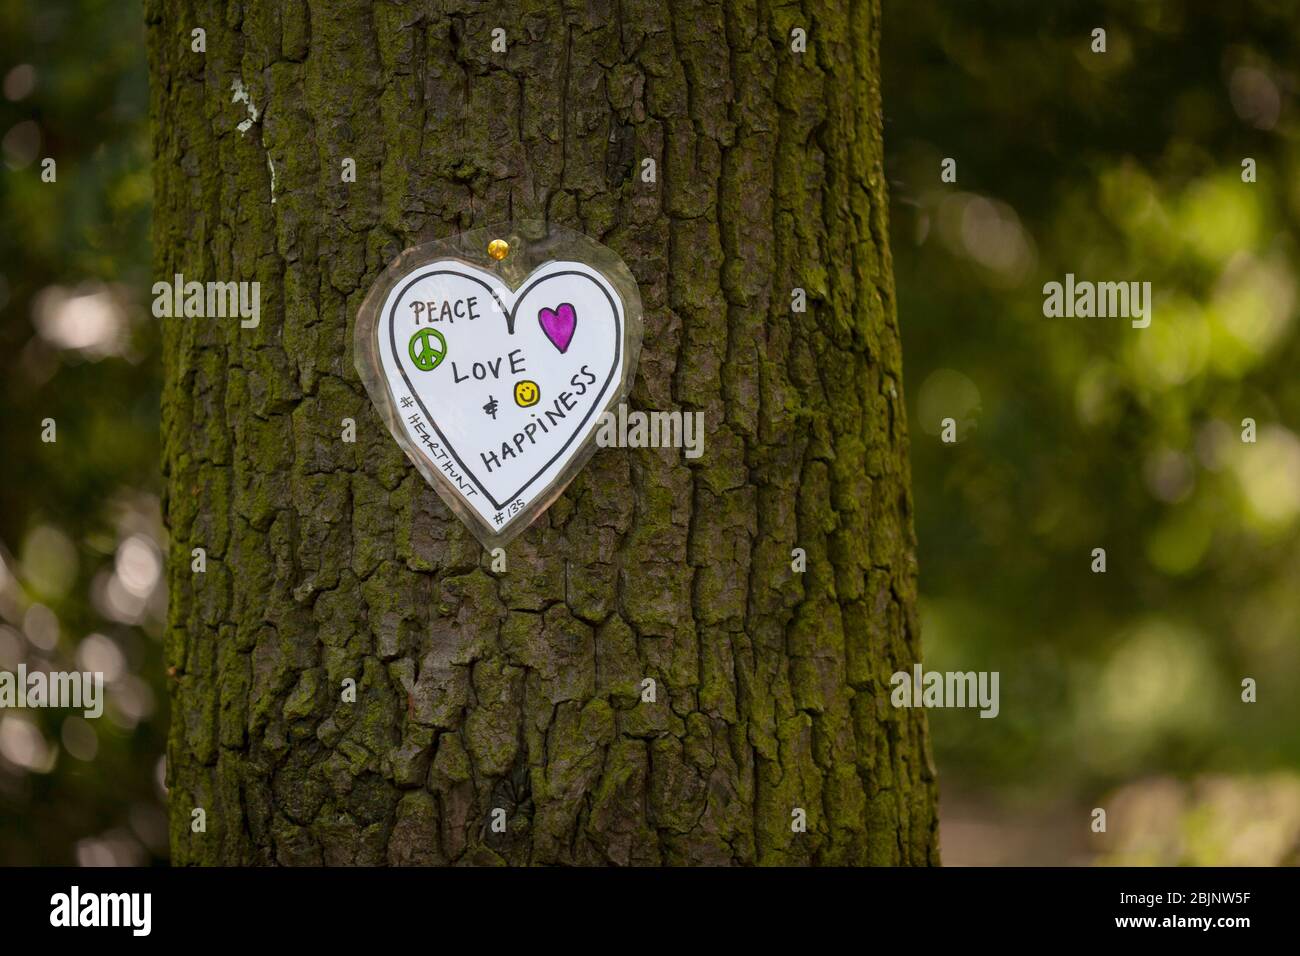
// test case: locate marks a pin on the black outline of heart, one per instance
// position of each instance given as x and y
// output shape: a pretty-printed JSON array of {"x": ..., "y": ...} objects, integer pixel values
[{"x": 510, "y": 330}]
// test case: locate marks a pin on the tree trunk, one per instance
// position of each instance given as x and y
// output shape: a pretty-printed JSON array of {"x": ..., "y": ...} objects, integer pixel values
[{"x": 327, "y": 561}]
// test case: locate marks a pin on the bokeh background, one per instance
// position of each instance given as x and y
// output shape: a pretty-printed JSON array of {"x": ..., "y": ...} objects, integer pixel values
[
  {"x": 80, "y": 528},
  {"x": 1119, "y": 690}
]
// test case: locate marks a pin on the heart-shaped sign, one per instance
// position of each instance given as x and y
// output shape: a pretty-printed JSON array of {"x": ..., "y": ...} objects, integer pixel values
[{"x": 495, "y": 390}]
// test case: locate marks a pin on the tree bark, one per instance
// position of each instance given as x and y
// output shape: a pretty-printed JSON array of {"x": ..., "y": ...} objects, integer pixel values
[{"x": 328, "y": 561}]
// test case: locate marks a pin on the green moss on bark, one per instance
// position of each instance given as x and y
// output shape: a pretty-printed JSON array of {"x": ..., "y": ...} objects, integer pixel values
[{"x": 329, "y": 561}]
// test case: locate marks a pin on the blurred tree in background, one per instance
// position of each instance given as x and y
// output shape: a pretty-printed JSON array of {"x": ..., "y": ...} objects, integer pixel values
[
  {"x": 1119, "y": 689},
  {"x": 1078, "y": 433},
  {"x": 80, "y": 582}
]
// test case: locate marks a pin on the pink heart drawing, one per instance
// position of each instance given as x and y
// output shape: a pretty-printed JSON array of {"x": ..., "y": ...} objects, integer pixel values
[{"x": 558, "y": 324}]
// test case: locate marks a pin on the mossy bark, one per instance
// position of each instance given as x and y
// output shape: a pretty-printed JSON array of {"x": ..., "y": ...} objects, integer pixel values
[{"x": 329, "y": 561}]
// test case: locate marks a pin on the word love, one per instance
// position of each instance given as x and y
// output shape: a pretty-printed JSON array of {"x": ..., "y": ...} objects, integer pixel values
[{"x": 482, "y": 370}]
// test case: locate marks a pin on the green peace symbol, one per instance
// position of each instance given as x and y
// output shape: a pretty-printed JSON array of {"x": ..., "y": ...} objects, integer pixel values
[{"x": 425, "y": 353}]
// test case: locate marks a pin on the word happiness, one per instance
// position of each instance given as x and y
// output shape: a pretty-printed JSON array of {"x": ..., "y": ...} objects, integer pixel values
[
  {"x": 1104, "y": 300},
  {"x": 560, "y": 406}
]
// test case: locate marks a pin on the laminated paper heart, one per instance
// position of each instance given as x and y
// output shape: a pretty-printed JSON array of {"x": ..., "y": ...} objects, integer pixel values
[{"x": 497, "y": 390}]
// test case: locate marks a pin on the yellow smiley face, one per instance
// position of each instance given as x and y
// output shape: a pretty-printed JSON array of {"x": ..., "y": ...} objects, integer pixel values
[{"x": 527, "y": 393}]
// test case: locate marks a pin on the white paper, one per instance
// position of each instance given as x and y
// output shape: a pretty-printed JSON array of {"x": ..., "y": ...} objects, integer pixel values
[{"x": 498, "y": 389}]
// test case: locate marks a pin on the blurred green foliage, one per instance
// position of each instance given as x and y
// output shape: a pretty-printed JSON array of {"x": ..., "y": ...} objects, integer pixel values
[
  {"x": 80, "y": 535},
  {"x": 1078, "y": 433},
  {"x": 1074, "y": 433}
]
